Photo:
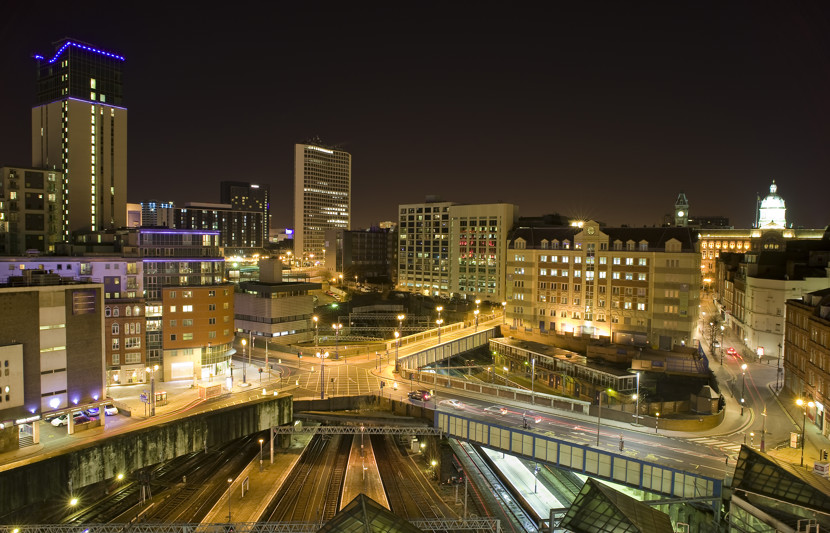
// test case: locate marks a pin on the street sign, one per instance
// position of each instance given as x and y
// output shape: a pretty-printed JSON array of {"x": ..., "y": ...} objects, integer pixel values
[{"x": 143, "y": 397}]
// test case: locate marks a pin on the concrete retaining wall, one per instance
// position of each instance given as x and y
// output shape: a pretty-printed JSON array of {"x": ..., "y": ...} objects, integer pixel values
[{"x": 47, "y": 479}]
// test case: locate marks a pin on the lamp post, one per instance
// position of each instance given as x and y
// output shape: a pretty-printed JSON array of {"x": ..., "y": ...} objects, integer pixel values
[
  {"x": 743, "y": 386},
  {"x": 230, "y": 482},
  {"x": 504, "y": 312},
  {"x": 637, "y": 401},
  {"x": 721, "y": 344},
  {"x": 656, "y": 422},
  {"x": 476, "y": 312},
  {"x": 244, "y": 372},
  {"x": 152, "y": 372},
  {"x": 260, "y": 454},
  {"x": 803, "y": 404},
  {"x": 315, "y": 318},
  {"x": 322, "y": 357},
  {"x": 439, "y": 321},
  {"x": 599, "y": 412},
  {"x": 532, "y": 380},
  {"x": 337, "y": 327},
  {"x": 397, "y": 344},
  {"x": 778, "y": 372}
]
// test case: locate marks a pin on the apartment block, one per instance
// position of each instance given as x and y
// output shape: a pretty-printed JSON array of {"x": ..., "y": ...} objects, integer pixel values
[
  {"x": 30, "y": 210},
  {"x": 807, "y": 354}
]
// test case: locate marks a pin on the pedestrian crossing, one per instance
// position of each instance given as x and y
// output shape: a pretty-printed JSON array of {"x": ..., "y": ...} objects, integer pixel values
[{"x": 729, "y": 448}]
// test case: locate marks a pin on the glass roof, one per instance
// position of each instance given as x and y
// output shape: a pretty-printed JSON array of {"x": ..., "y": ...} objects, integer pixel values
[
  {"x": 599, "y": 508},
  {"x": 758, "y": 473},
  {"x": 363, "y": 515}
]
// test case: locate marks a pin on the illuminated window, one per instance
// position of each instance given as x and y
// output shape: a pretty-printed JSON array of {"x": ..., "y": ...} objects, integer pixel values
[
  {"x": 187, "y": 308},
  {"x": 172, "y": 308},
  {"x": 615, "y": 275}
]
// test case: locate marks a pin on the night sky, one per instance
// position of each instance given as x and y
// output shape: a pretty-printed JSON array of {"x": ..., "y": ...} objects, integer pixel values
[{"x": 602, "y": 110}]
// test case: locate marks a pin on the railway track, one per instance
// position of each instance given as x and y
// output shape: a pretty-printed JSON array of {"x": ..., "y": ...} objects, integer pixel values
[
  {"x": 338, "y": 476},
  {"x": 301, "y": 499},
  {"x": 512, "y": 515},
  {"x": 404, "y": 486}
]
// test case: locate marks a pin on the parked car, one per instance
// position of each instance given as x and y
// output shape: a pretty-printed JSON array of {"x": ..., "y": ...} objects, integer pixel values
[
  {"x": 422, "y": 395},
  {"x": 92, "y": 411},
  {"x": 63, "y": 419},
  {"x": 110, "y": 410}
]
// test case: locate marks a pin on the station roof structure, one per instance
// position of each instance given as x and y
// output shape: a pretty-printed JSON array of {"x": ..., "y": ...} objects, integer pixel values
[
  {"x": 362, "y": 515},
  {"x": 598, "y": 507}
]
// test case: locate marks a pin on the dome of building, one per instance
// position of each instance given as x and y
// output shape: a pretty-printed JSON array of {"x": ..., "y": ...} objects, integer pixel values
[{"x": 772, "y": 212}]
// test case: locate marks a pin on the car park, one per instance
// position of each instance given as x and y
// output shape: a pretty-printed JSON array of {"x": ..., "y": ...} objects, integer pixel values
[
  {"x": 422, "y": 395},
  {"x": 92, "y": 411}
]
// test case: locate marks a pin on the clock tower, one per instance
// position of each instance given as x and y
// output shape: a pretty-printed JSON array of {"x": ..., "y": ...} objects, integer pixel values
[{"x": 681, "y": 211}]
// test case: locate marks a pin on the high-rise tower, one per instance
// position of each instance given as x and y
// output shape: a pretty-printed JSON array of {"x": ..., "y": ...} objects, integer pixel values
[
  {"x": 322, "y": 197},
  {"x": 245, "y": 196},
  {"x": 79, "y": 127}
]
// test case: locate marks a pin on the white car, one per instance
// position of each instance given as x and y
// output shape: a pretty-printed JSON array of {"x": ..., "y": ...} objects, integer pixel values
[
  {"x": 500, "y": 409},
  {"x": 455, "y": 404},
  {"x": 110, "y": 409}
]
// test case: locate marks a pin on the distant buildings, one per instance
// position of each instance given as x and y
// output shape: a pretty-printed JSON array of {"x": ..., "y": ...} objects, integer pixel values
[
  {"x": 454, "y": 250},
  {"x": 755, "y": 285},
  {"x": 79, "y": 128},
  {"x": 369, "y": 254},
  {"x": 31, "y": 203},
  {"x": 243, "y": 196},
  {"x": 322, "y": 198},
  {"x": 240, "y": 231},
  {"x": 634, "y": 285}
]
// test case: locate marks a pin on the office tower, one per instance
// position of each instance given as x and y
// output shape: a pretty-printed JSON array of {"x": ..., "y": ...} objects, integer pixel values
[
  {"x": 79, "y": 127},
  {"x": 30, "y": 210},
  {"x": 248, "y": 197},
  {"x": 454, "y": 250},
  {"x": 322, "y": 198}
]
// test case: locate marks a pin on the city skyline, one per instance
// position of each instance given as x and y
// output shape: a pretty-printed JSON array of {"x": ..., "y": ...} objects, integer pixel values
[{"x": 604, "y": 111}]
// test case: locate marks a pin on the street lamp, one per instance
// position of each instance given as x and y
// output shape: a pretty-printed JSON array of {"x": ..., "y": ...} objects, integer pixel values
[
  {"x": 322, "y": 357},
  {"x": 244, "y": 372},
  {"x": 802, "y": 403},
  {"x": 532, "y": 380},
  {"x": 260, "y": 454},
  {"x": 476, "y": 315},
  {"x": 637, "y": 400},
  {"x": 315, "y": 318},
  {"x": 503, "y": 312},
  {"x": 439, "y": 322},
  {"x": 397, "y": 344},
  {"x": 152, "y": 372},
  {"x": 337, "y": 327},
  {"x": 743, "y": 386},
  {"x": 599, "y": 412},
  {"x": 230, "y": 481},
  {"x": 656, "y": 422}
]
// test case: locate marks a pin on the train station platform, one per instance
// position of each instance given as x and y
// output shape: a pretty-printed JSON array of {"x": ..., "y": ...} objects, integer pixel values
[
  {"x": 362, "y": 474},
  {"x": 259, "y": 487}
]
